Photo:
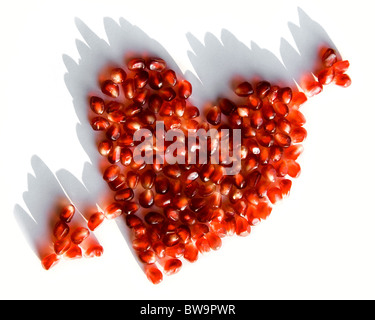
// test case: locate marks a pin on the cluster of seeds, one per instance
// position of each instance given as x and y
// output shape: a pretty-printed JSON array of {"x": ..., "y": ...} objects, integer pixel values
[
  {"x": 67, "y": 243},
  {"x": 179, "y": 211}
]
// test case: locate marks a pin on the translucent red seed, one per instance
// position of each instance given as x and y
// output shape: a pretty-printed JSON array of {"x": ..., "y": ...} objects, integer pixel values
[
  {"x": 95, "y": 220},
  {"x": 184, "y": 89},
  {"x": 97, "y": 105},
  {"x": 50, "y": 260},
  {"x": 110, "y": 89},
  {"x": 244, "y": 89},
  {"x": 153, "y": 274},
  {"x": 172, "y": 266},
  {"x": 67, "y": 213},
  {"x": 61, "y": 230}
]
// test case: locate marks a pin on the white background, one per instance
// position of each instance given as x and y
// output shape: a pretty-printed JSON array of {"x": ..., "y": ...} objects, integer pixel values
[{"x": 318, "y": 244}]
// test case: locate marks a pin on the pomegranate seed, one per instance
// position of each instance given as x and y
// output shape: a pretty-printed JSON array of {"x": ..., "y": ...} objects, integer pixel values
[
  {"x": 229, "y": 224},
  {"x": 329, "y": 57},
  {"x": 298, "y": 135},
  {"x": 126, "y": 194},
  {"x": 268, "y": 112},
  {"x": 198, "y": 230},
  {"x": 298, "y": 99},
  {"x": 256, "y": 119},
  {"x": 191, "y": 112},
  {"x": 133, "y": 221},
  {"x": 95, "y": 220},
  {"x": 244, "y": 89},
  {"x": 126, "y": 156},
  {"x": 132, "y": 179},
  {"x": 113, "y": 211},
  {"x": 79, "y": 234},
  {"x": 341, "y": 66},
  {"x": 213, "y": 240},
  {"x": 105, "y": 147},
  {"x": 140, "y": 79},
  {"x": 203, "y": 245},
  {"x": 184, "y": 233},
  {"x": 111, "y": 172},
  {"x": 99, "y": 124},
  {"x": 274, "y": 195},
  {"x": 67, "y": 213},
  {"x": 94, "y": 251},
  {"x": 75, "y": 252},
  {"x": 263, "y": 211},
  {"x": 313, "y": 88},
  {"x": 297, "y": 118},
  {"x": 141, "y": 244},
  {"x": 171, "y": 239},
  {"x": 113, "y": 132},
  {"x": 242, "y": 226},
  {"x": 283, "y": 140},
  {"x": 285, "y": 95},
  {"x": 269, "y": 172},
  {"x": 110, "y": 89},
  {"x": 284, "y": 125},
  {"x": 154, "y": 218},
  {"x": 167, "y": 94},
  {"x": 255, "y": 102},
  {"x": 184, "y": 89},
  {"x": 172, "y": 266},
  {"x": 118, "y": 75},
  {"x": 114, "y": 155},
  {"x": 118, "y": 183},
  {"x": 159, "y": 249},
  {"x": 147, "y": 256},
  {"x": 262, "y": 89},
  {"x": 285, "y": 186},
  {"x": 326, "y": 76},
  {"x": 175, "y": 251},
  {"x": 172, "y": 171},
  {"x": 191, "y": 252},
  {"x": 61, "y": 246},
  {"x": 281, "y": 108},
  {"x": 294, "y": 169},
  {"x": 162, "y": 200},
  {"x": 130, "y": 207},
  {"x": 129, "y": 88},
  {"x": 156, "y": 64},
  {"x": 294, "y": 151},
  {"x": 276, "y": 153},
  {"x": 61, "y": 230},
  {"x": 141, "y": 96},
  {"x": 136, "y": 64},
  {"x": 169, "y": 77},
  {"x": 153, "y": 274},
  {"x": 227, "y": 106},
  {"x": 97, "y": 105},
  {"x": 269, "y": 126},
  {"x": 265, "y": 139},
  {"x": 214, "y": 116},
  {"x": 281, "y": 168},
  {"x": 342, "y": 80},
  {"x": 49, "y": 261},
  {"x": 243, "y": 111}
]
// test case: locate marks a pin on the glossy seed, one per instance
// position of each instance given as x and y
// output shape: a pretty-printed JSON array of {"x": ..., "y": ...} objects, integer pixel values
[
  {"x": 61, "y": 246},
  {"x": 172, "y": 266},
  {"x": 156, "y": 64},
  {"x": 191, "y": 252},
  {"x": 74, "y": 252},
  {"x": 94, "y": 251},
  {"x": 342, "y": 80},
  {"x": 329, "y": 57},
  {"x": 136, "y": 64},
  {"x": 97, "y": 105},
  {"x": 326, "y": 76},
  {"x": 244, "y": 89},
  {"x": 262, "y": 89},
  {"x": 214, "y": 116},
  {"x": 50, "y": 261},
  {"x": 147, "y": 256},
  {"x": 99, "y": 124},
  {"x": 67, "y": 213},
  {"x": 110, "y": 89},
  {"x": 118, "y": 75},
  {"x": 153, "y": 274},
  {"x": 79, "y": 235},
  {"x": 95, "y": 220},
  {"x": 113, "y": 210},
  {"x": 184, "y": 89},
  {"x": 61, "y": 230}
]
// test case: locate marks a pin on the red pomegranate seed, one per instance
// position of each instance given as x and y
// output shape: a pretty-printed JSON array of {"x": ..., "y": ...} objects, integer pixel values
[
  {"x": 169, "y": 77},
  {"x": 111, "y": 172},
  {"x": 262, "y": 89},
  {"x": 99, "y": 124},
  {"x": 126, "y": 194},
  {"x": 191, "y": 252},
  {"x": 244, "y": 89},
  {"x": 175, "y": 251},
  {"x": 141, "y": 96},
  {"x": 126, "y": 156},
  {"x": 61, "y": 230},
  {"x": 341, "y": 66},
  {"x": 118, "y": 75},
  {"x": 243, "y": 111},
  {"x": 156, "y": 64},
  {"x": 276, "y": 153},
  {"x": 129, "y": 88},
  {"x": 172, "y": 171},
  {"x": 74, "y": 252},
  {"x": 147, "y": 256},
  {"x": 213, "y": 240},
  {"x": 130, "y": 207},
  {"x": 132, "y": 179},
  {"x": 167, "y": 94},
  {"x": 95, "y": 220},
  {"x": 94, "y": 251},
  {"x": 281, "y": 168},
  {"x": 243, "y": 228},
  {"x": 61, "y": 246},
  {"x": 285, "y": 95},
  {"x": 49, "y": 261},
  {"x": 313, "y": 88},
  {"x": 298, "y": 99},
  {"x": 198, "y": 230},
  {"x": 110, "y": 89},
  {"x": 133, "y": 221},
  {"x": 294, "y": 151},
  {"x": 113, "y": 132},
  {"x": 79, "y": 234},
  {"x": 342, "y": 80},
  {"x": 113, "y": 211},
  {"x": 255, "y": 102},
  {"x": 162, "y": 200},
  {"x": 229, "y": 224},
  {"x": 184, "y": 89},
  {"x": 297, "y": 118},
  {"x": 154, "y": 218},
  {"x": 141, "y": 244},
  {"x": 214, "y": 116},
  {"x": 285, "y": 186},
  {"x": 114, "y": 155},
  {"x": 265, "y": 139},
  {"x": 263, "y": 211},
  {"x": 202, "y": 244},
  {"x": 97, "y": 105},
  {"x": 269, "y": 172},
  {"x": 281, "y": 108},
  {"x": 159, "y": 249},
  {"x": 329, "y": 57},
  {"x": 218, "y": 175},
  {"x": 256, "y": 119},
  {"x": 294, "y": 169},
  {"x": 105, "y": 147},
  {"x": 170, "y": 239},
  {"x": 227, "y": 106},
  {"x": 117, "y": 184},
  {"x": 67, "y": 213},
  {"x": 274, "y": 194},
  {"x": 326, "y": 76},
  {"x": 298, "y": 134},
  {"x": 172, "y": 266},
  {"x": 136, "y": 64},
  {"x": 153, "y": 274},
  {"x": 141, "y": 79},
  {"x": 284, "y": 125},
  {"x": 282, "y": 140}
]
